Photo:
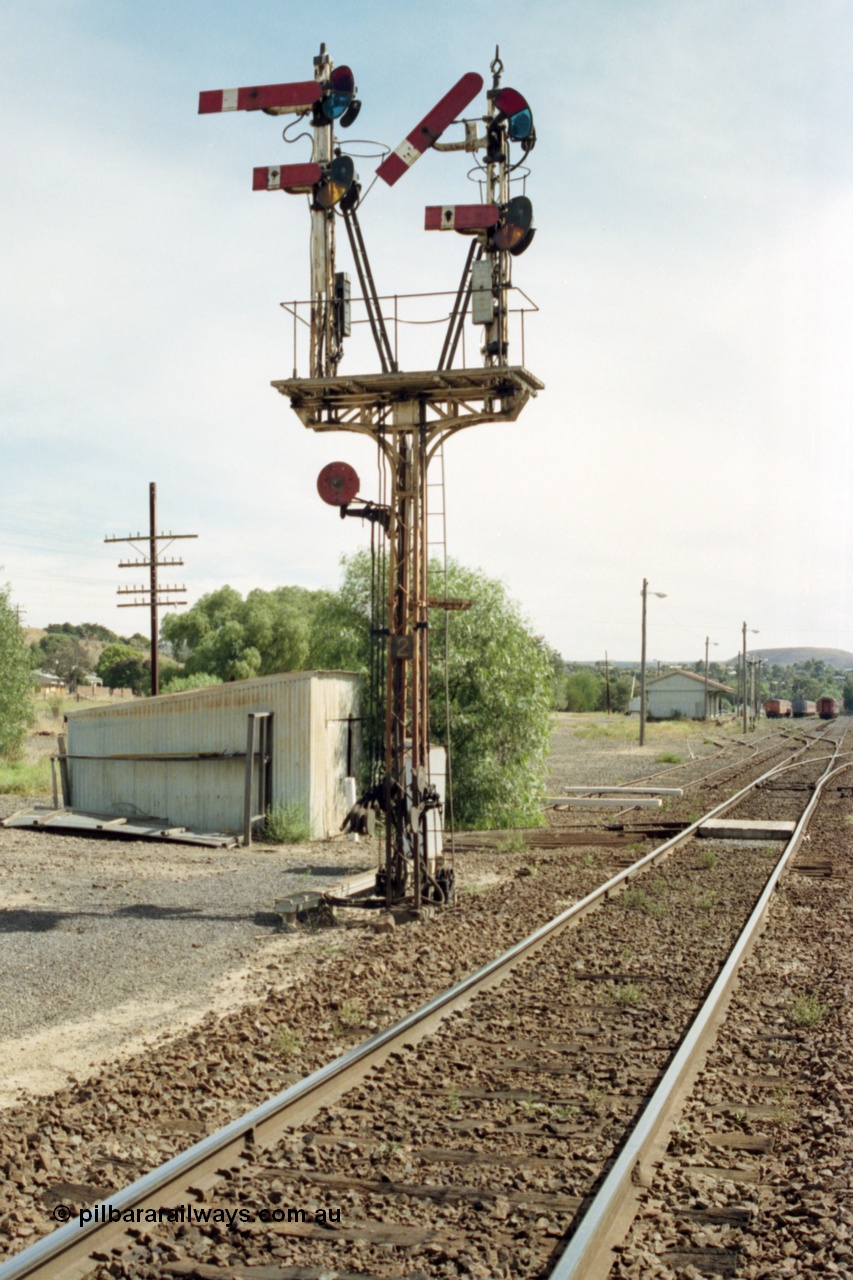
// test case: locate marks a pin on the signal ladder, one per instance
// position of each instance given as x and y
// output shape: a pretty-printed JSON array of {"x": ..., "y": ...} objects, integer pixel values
[{"x": 437, "y": 590}]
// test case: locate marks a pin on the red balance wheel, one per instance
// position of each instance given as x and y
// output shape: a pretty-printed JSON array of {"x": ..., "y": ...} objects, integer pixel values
[{"x": 338, "y": 483}]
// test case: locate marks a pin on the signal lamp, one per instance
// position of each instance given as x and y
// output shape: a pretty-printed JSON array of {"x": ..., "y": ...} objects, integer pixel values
[
  {"x": 338, "y": 181},
  {"x": 514, "y": 231},
  {"x": 515, "y": 109},
  {"x": 338, "y": 98},
  {"x": 349, "y": 116}
]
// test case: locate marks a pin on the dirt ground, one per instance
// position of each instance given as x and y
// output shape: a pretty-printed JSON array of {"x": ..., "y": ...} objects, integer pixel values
[{"x": 109, "y": 944}]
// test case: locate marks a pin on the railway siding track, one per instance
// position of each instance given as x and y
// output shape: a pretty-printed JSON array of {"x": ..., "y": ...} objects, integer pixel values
[
  {"x": 757, "y": 1180},
  {"x": 504, "y": 1118}
]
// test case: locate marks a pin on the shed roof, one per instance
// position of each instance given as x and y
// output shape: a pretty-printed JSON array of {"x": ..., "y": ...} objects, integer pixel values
[{"x": 714, "y": 685}]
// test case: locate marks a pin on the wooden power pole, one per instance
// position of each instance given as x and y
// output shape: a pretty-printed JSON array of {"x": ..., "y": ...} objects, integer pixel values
[{"x": 152, "y": 596}]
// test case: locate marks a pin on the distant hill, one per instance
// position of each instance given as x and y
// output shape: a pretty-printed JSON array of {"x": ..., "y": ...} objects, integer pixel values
[{"x": 841, "y": 659}]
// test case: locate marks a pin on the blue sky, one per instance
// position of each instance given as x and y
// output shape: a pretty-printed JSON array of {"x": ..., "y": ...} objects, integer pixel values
[{"x": 692, "y": 266}]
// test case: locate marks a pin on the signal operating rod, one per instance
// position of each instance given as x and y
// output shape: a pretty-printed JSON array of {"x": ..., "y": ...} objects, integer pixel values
[{"x": 368, "y": 289}]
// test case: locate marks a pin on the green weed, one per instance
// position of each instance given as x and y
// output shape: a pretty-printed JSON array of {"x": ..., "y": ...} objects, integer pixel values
[
  {"x": 17, "y": 778},
  {"x": 634, "y": 900},
  {"x": 707, "y": 859},
  {"x": 807, "y": 1011},
  {"x": 627, "y": 993},
  {"x": 350, "y": 1016},
  {"x": 286, "y": 823},
  {"x": 669, "y": 757},
  {"x": 708, "y": 901},
  {"x": 286, "y": 1041},
  {"x": 514, "y": 843}
]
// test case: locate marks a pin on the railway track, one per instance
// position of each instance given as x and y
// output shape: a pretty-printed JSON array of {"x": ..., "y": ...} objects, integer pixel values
[
  {"x": 761, "y": 754},
  {"x": 468, "y": 1137}
]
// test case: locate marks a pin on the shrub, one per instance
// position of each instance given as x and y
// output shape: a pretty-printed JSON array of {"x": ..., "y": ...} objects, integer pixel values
[
  {"x": 286, "y": 823},
  {"x": 16, "y": 702},
  {"x": 807, "y": 1011}
]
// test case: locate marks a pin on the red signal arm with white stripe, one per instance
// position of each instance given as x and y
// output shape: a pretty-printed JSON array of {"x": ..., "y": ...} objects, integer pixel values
[
  {"x": 277, "y": 99},
  {"x": 430, "y": 128},
  {"x": 461, "y": 217},
  {"x": 287, "y": 177}
]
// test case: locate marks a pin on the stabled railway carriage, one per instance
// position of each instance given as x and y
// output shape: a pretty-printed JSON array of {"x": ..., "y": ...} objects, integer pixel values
[
  {"x": 828, "y": 708},
  {"x": 776, "y": 708},
  {"x": 800, "y": 707}
]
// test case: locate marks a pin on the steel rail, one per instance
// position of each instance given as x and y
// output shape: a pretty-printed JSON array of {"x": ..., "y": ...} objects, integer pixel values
[
  {"x": 66, "y": 1251},
  {"x": 759, "y": 758},
  {"x": 588, "y": 1254}
]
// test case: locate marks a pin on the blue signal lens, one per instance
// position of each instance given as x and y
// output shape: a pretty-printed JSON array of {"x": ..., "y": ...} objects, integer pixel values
[{"x": 520, "y": 125}]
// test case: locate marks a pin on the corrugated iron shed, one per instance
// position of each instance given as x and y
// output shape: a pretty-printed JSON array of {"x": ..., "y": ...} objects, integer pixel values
[{"x": 190, "y": 751}]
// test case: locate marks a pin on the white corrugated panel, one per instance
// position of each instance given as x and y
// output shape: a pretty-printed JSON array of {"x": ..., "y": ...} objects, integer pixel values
[{"x": 310, "y": 711}]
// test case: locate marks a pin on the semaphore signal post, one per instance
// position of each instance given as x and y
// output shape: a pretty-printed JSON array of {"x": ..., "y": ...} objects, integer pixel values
[{"x": 409, "y": 415}]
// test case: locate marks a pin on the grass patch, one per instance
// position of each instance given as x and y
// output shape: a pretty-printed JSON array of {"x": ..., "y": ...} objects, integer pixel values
[
  {"x": 514, "y": 843},
  {"x": 18, "y": 778},
  {"x": 708, "y": 901},
  {"x": 286, "y": 1042},
  {"x": 286, "y": 823},
  {"x": 627, "y": 993},
  {"x": 807, "y": 1011},
  {"x": 669, "y": 757},
  {"x": 707, "y": 860},
  {"x": 350, "y": 1016},
  {"x": 634, "y": 900}
]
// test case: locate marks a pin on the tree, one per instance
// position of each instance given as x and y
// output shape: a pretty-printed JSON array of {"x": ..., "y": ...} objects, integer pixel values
[
  {"x": 16, "y": 711},
  {"x": 499, "y": 676},
  {"x": 225, "y": 636},
  {"x": 63, "y": 655},
  {"x": 499, "y": 684},
  {"x": 583, "y": 690},
  {"x": 122, "y": 667},
  {"x": 848, "y": 695}
]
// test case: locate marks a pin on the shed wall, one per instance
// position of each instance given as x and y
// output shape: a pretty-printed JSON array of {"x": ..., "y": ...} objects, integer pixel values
[{"x": 309, "y": 712}]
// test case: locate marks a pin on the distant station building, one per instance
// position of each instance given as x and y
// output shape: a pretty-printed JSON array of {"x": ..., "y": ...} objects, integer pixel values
[
  {"x": 682, "y": 694},
  {"x": 48, "y": 683}
]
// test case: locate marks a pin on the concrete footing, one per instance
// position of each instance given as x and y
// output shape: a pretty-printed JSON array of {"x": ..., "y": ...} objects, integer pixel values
[{"x": 745, "y": 829}]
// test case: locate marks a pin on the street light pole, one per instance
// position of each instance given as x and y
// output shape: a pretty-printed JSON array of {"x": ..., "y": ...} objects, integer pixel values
[
  {"x": 745, "y": 684},
  {"x": 643, "y": 669},
  {"x": 705, "y": 704},
  {"x": 662, "y": 596}
]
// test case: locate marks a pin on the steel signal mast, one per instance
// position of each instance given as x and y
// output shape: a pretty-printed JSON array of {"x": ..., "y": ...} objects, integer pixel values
[{"x": 408, "y": 414}]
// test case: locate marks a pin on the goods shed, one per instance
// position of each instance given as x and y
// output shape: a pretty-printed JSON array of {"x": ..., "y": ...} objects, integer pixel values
[
  {"x": 682, "y": 693},
  {"x": 182, "y": 756}
]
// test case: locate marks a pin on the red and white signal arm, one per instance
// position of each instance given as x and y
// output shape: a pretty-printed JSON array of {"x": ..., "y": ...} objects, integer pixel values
[
  {"x": 461, "y": 217},
  {"x": 275, "y": 99},
  {"x": 287, "y": 177},
  {"x": 430, "y": 128},
  {"x": 338, "y": 483}
]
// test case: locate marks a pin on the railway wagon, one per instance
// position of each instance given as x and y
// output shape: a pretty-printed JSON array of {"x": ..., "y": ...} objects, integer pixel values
[
  {"x": 828, "y": 708},
  {"x": 800, "y": 707},
  {"x": 775, "y": 708}
]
